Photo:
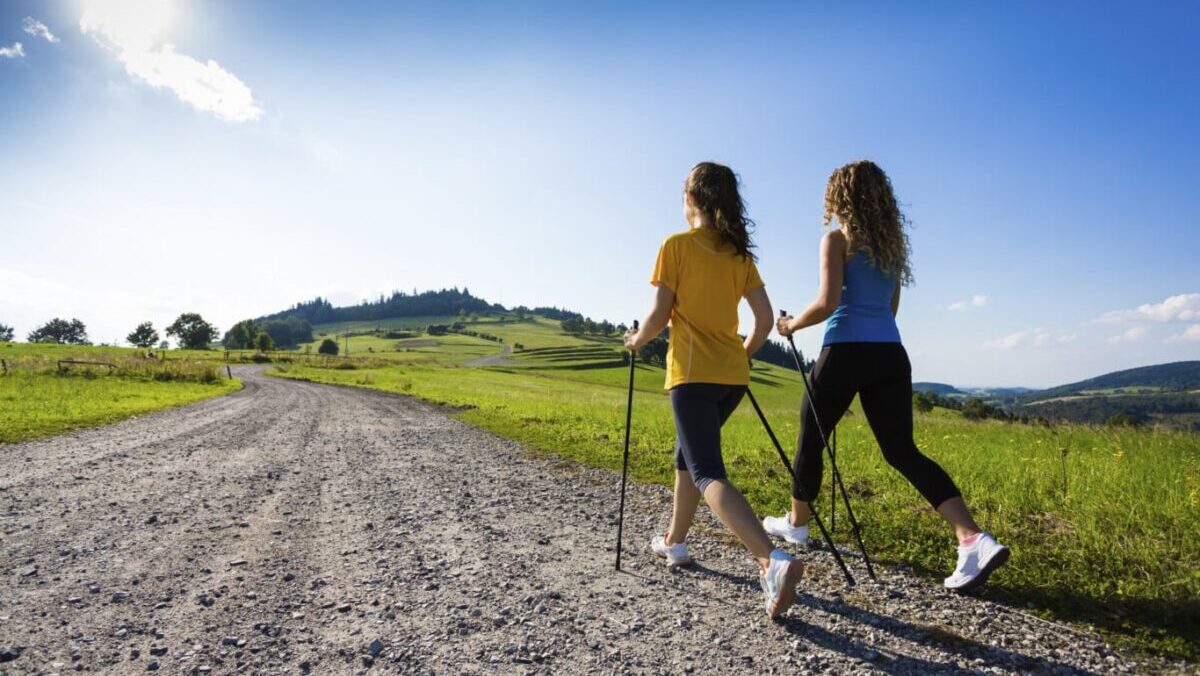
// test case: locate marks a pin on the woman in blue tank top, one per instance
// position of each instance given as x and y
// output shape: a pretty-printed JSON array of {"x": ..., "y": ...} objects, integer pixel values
[{"x": 864, "y": 263}]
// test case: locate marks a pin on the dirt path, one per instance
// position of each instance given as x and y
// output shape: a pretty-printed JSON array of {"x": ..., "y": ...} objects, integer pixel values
[
  {"x": 296, "y": 528},
  {"x": 492, "y": 360}
]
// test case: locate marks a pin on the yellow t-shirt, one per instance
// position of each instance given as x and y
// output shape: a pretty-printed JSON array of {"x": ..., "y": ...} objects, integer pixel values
[{"x": 709, "y": 280}]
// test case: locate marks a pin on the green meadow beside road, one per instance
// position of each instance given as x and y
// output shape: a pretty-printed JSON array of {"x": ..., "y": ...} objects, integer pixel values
[
  {"x": 1102, "y": 521},
  {"x": 40, "y": 397}
]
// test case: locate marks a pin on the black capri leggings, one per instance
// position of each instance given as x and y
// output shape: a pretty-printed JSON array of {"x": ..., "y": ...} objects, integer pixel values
[
  {"x": 700, "y": 411},
  {"x": 881, "y": 375}
]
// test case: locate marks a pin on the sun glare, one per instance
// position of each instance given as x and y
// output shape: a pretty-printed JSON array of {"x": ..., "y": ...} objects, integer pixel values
[{"x": 132, "y": 24}]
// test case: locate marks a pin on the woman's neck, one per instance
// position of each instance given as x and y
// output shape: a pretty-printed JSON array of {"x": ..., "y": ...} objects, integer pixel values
[{"x": 701, "y": 220}]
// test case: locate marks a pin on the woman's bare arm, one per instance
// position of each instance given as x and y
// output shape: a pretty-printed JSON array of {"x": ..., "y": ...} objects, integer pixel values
[
  {"x": 829, "y": 292},
  {"x": 760, "y": 304},
  {"x": 655, "y": 322}
]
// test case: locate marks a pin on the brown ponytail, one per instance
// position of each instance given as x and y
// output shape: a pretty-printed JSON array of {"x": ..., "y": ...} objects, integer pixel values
[{"x": 714, "y": 190}]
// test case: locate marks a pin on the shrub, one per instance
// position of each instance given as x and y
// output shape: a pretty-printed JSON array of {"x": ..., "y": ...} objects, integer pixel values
[
  {"x": 922, "y": 402},
  {"x": 328, "y": 346}
]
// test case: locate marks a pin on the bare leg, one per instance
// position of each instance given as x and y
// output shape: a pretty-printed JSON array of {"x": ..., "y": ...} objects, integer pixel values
[
  {"x": 955, "y": 512},
  {"x": 687, "y": 498},
  {"x": 800, "y": 513},
  {"x": 733, "y": 511}
]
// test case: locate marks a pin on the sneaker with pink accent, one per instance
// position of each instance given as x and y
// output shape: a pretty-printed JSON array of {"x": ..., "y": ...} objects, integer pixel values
[{"x": 976, "y": 562}]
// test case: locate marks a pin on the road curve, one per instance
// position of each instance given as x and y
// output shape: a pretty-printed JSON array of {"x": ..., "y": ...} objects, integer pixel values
[
  {"x": 492, "y": 359},
  {"x": 302, "y": 528}
]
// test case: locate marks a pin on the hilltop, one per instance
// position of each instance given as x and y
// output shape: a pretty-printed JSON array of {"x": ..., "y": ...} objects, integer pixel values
[{"x": 940, "y": 389}]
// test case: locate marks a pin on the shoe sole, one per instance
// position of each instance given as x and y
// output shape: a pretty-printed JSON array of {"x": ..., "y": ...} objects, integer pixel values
[
  {"x": 998, "y": 559},
  {"x": 787, "y": 595}
]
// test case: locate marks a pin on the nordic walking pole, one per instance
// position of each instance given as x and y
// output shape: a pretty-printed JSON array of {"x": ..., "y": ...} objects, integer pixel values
[
  {"x": 837, "y": 476},
  {"x": 812, "y": 510},
  {"x": 625, "y": 459},
  {"x": 832, "y": 488}
]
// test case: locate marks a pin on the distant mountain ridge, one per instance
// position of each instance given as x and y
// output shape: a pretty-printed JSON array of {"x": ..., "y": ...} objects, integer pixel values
[
  {"x": 940, "y": 389},
  {"x": 1180, "y": 376}
]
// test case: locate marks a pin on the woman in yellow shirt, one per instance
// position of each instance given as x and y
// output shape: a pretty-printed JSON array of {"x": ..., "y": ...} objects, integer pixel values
[{"x": 701, "y": 276}]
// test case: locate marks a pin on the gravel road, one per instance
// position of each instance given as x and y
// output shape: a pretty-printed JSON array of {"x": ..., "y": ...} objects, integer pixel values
[
  {"x": 494, "y": 359},
  {"x": 302, "y": 528}
]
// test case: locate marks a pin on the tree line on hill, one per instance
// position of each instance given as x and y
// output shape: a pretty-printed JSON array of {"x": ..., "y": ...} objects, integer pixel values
[
  {"x": 399, "y": 304},
  {"x": 579, "y": 325}
]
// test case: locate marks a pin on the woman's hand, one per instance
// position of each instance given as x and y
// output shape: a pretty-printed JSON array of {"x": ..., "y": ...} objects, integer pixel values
[
  {"x": 631, "y": 342},
  {"x": 784, "y": 326}
]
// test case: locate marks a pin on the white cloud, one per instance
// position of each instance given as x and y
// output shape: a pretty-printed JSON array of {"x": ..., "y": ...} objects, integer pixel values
[
  {"x": 130, "y": 29},
  {"x": 1131, "y": 335},
  {"x": 38, "y": 29},
  {"x": 978, "y": 300},
  {"x": 1182, "y": 308},
  {"x": 14, "y": 52},
  {"x": 1031, "y": 338},
  {"x": 1190, "y": 334}
]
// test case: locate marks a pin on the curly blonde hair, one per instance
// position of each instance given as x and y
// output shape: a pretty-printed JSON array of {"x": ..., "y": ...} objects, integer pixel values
[{"x": 859, "y": 195}]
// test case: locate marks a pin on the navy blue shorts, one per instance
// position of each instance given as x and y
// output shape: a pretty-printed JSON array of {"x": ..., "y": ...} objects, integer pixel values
[{"x": 700, "y": 411}]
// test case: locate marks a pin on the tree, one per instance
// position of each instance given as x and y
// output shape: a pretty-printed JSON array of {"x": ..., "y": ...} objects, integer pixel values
[
  {"x": 264, "y": 342},
  {"x": 291, "y": 330},
  {"x": 6, "y": 333},
  {"x": 192, "y": 331},
  {"x": 60, "y": 331},
  {"x": 144, "y": 336},
  {"x": 328, "y": 346},
  {"x": 655, "y": 352},
  {"x": 241, "y": 336}
]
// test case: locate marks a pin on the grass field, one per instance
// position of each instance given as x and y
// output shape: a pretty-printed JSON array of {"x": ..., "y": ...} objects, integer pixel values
[
  {"x": 1114, "y": 546},
  {"x": 39, "y": 400}
]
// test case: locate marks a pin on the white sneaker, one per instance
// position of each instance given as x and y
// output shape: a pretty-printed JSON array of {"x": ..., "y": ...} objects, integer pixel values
[
  {"x": 676, "y": 554},
  {"x": 976, "y": 562},
  {"x": 779, "y": 582},
  {"x": 781, "y": 527}
]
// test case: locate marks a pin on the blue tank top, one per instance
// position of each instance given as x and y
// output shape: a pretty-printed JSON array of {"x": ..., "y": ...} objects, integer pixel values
[{"x": 865, "y": 313}]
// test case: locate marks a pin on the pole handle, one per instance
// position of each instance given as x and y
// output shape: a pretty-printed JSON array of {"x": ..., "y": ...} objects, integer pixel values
[{"x": 635, "y": 323}]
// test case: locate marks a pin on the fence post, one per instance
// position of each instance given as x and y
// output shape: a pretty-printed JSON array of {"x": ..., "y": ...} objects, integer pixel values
[
  {"x": 229, "y": 371},
  {"x": 5, "y": 363}
]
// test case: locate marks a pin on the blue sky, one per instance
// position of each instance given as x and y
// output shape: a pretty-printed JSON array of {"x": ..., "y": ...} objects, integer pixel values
[{"x": 232, "y": 158}]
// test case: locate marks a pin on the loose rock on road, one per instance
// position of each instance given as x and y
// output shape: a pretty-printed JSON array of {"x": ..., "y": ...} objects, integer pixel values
[{"x": 301, "y": 528}]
